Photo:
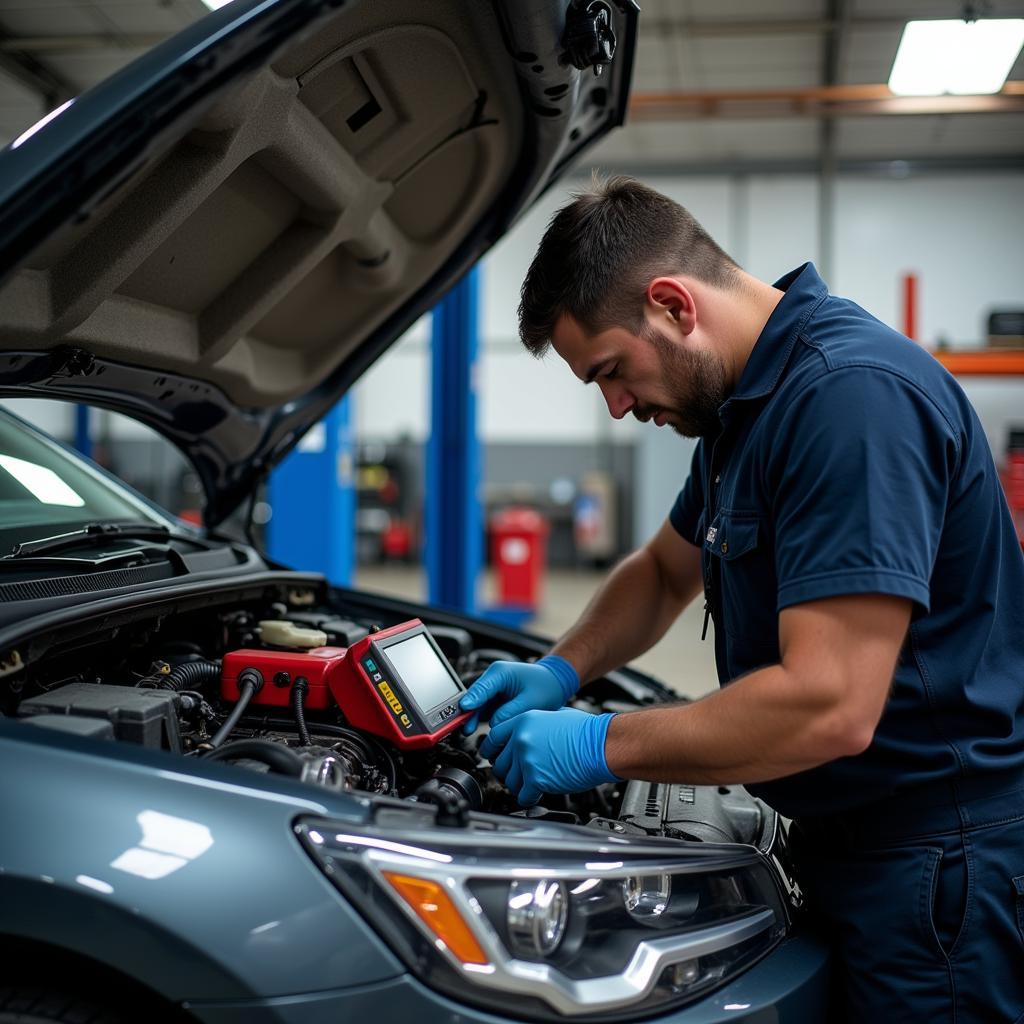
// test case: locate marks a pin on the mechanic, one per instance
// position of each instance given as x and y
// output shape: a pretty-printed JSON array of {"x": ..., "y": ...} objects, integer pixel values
[{"x": 845, "y": 521}]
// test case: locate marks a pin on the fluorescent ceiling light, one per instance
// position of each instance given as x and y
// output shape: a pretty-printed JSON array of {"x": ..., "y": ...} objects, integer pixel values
[
  {"x": 958, "y": 57},
  {"x": 216, "y": 5}
]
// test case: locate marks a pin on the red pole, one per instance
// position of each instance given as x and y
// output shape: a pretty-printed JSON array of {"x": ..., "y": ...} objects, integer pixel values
[{"x": 910, "y": 306}]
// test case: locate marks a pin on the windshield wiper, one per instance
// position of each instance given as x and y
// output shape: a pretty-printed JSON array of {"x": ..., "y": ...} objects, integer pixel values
[{"x": 100, "y": 533}]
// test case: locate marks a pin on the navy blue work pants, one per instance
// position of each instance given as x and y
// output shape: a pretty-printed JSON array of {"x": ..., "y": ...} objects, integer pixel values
[{"x": 923, "y": 900}]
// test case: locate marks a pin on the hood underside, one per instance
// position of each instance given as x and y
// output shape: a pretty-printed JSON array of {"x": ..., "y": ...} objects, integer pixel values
[{"x": 222, "y": 237}]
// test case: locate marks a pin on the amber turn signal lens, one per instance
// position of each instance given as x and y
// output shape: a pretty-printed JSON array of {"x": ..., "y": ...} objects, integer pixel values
[{"x": 434, "y": 908}]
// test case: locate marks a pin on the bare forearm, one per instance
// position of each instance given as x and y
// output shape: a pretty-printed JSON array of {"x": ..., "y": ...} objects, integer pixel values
[
  {"x": 627, "y": 616},
  {"x": 764, "y": 726}
]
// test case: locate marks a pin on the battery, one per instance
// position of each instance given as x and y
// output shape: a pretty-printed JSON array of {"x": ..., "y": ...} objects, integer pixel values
[{"x": 146, "y": 717}]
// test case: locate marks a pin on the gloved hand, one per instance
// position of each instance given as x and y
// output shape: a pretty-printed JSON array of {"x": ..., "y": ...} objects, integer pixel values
[
  {"x": 508, "y": 688},
  {"x": 549, "y": 752}
]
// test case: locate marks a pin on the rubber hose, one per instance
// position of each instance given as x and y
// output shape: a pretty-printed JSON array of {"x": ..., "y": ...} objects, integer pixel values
[
  {"x": 192, "y": 675},
  {"x": 250, "y": 682},
  {"x": 299, "y": 690},
  {"x": 276, "y": 757}
]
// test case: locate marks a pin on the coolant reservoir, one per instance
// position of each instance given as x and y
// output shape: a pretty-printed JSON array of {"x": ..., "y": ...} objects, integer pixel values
[{"x": 280, "y": 633}]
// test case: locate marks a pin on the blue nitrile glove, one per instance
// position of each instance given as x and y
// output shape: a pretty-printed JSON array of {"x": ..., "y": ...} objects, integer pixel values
[
  {"x": 549, "y": 752},
  {"x": 508, "y": 688}
]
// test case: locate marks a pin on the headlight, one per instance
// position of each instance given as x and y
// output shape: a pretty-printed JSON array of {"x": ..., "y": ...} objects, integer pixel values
[
  {"x": 572, "y": 926},
  {"x": 537, "y": 915},
  {"x": 647, "y": 897}
]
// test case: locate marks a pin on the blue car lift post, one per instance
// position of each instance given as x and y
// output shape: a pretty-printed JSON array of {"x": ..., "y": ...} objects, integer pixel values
[
  {"x": 83, "y": 434},
  {"x": 454, "y": 521},
  {"x": 312, "y": 500}
]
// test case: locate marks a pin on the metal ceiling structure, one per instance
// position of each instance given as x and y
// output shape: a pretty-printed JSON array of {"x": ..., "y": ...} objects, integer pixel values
[
  {"x": 795, "y": 84},
  {"x": 800, "y": 85}
]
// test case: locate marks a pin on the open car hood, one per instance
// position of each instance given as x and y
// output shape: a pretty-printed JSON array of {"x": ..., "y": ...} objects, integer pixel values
[{"x": 222, "y": 237}]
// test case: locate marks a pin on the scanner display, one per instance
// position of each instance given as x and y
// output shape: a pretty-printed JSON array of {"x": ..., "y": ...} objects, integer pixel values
[{"x": 426, "y": 677}]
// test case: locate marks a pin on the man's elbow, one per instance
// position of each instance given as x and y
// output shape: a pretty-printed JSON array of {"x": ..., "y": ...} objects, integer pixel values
[
  {"x": 842, "y": 712},
  {"x": 856, "y": 738},
  {"x": 846, "y": 732}
]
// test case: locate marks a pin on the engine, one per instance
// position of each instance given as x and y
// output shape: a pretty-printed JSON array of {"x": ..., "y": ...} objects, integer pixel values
[{"x": 294, "y": 691}]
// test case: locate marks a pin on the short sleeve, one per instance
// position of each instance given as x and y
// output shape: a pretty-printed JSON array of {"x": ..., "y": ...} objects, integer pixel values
[
  {"x": 689, "y": 504},
  {"x": 861, "y": 470}
]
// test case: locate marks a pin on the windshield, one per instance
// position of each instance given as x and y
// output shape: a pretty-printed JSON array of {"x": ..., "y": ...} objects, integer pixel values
[{"x": 46, "y": 489}]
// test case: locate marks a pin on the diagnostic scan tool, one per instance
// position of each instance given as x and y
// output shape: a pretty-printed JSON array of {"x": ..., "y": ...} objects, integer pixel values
[{"x": 398, "y": 685}]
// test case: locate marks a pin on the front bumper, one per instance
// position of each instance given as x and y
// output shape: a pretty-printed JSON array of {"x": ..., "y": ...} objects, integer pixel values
[{"x": 790, "y": 986}]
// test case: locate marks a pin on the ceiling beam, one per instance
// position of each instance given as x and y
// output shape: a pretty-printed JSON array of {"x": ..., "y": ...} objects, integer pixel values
[
  {"x": 819, "y": 101},
  {"x": 836, "y": 41},
  {"x": 727, "y": 27},
  {"x": 720, "y": 28}
]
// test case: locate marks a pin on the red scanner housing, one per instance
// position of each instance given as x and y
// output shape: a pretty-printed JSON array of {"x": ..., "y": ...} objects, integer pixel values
[
  {"x": 279, "y": 670},
  {"x": 368, "y": 685},
  {"x": 370, "y": 690}
]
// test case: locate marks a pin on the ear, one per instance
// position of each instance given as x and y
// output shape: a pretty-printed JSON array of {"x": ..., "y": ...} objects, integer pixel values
[{"x": 668, "y": 299}]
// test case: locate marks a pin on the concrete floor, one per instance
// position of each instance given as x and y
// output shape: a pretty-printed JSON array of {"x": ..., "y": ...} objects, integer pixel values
[{"x": 681, "y": 661}]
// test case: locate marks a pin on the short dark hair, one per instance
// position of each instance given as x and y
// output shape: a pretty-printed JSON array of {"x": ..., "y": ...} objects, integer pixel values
[{"x": 601, "y": 251}]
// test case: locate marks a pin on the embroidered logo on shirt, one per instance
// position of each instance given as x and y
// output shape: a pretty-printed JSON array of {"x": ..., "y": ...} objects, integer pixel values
[{"x": 712, "y": 534}]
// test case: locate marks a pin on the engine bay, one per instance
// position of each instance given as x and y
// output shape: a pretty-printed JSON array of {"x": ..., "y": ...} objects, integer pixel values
[{"x": 282, "y": 681}]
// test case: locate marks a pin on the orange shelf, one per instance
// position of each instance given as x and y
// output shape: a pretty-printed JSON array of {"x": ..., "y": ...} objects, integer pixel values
[{"x": 992, "y": 362}]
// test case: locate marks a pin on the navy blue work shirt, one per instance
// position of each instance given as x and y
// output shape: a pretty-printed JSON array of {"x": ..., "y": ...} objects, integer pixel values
[{"x": 850, "y": 462}]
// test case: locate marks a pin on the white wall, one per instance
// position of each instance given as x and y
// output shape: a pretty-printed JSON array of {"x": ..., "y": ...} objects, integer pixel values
[
  {"x": 520, "y": 398},
  {"x": 780, "y": 230},
  {"x": 56, "y": 418},
  {"x": 393, "y": 397},
  {"x": 961, "y": 234}
]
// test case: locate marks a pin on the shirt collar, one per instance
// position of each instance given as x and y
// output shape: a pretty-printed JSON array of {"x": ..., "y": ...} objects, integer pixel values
[{"x": 804, "y": 293}]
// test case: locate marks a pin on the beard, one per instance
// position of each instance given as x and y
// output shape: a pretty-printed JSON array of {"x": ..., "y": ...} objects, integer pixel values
[{"x": 696, "y": 384}]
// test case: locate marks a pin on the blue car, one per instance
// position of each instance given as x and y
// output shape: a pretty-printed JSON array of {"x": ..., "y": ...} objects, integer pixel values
[{"x": 233, "y": 793}]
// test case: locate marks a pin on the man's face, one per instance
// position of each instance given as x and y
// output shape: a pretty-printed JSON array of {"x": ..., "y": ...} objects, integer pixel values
[{"x": 653, "y": 376}]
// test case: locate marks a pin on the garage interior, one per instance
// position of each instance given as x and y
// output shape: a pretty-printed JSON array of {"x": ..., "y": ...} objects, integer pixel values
[{"x": 777, "y": 129}]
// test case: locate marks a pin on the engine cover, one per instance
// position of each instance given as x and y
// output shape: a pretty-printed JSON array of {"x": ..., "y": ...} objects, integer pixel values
[{"x": 710, "y": 814}]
